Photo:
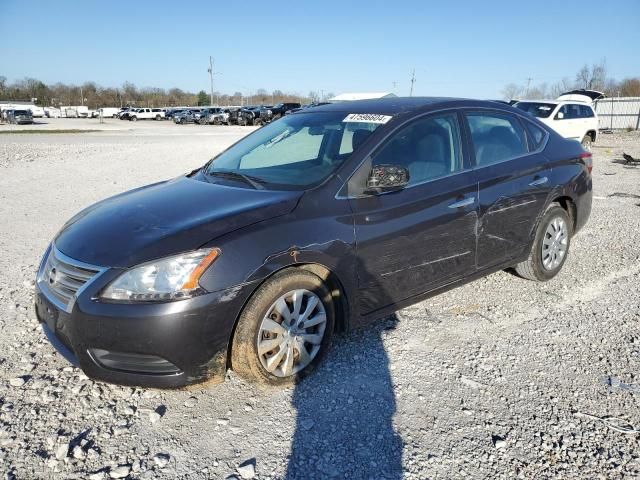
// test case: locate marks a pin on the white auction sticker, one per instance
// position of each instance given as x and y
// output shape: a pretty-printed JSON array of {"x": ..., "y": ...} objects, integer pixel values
[{"x": 367, "y": 118}]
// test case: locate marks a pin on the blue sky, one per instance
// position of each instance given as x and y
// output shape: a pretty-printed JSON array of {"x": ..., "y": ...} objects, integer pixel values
[{"x": 463, "y": 48}]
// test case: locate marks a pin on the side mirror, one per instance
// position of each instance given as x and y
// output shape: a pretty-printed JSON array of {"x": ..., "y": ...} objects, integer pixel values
[
  {"x": 387, "y": 178},
  {"x": 560, "y": 115}
]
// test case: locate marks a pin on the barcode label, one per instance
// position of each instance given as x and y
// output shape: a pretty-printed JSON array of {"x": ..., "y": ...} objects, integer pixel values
[{"x": 367, "y": 118}]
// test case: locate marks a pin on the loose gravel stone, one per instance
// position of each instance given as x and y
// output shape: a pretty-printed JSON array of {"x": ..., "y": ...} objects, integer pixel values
[
  {"x": 161, "y": 460},
  {"x": 17, "y": 382},
  {"x": 120, "y": 472},
  {"x": 431, "y": 392}
]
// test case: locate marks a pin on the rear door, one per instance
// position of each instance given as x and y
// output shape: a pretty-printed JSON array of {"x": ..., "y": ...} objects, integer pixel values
[
  {"x": 571, "y": 125},
  {"x": 416, "y": 239},
  {"x": 514, "y": 182}
]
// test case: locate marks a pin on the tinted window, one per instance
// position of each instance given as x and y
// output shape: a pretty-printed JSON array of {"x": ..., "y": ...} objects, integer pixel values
[
  {"x": 496, "y": 137},
  {"x": 570, "y": 111},
  {"x": 586, "y": 111},
  {"x": 537, "y": 109},
  {"x": 536, "y": 135},
  {"x": 429, "y": 148}
]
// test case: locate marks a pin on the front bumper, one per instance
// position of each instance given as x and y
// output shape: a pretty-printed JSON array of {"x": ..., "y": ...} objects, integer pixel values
[{"x": 161, "y": 345}]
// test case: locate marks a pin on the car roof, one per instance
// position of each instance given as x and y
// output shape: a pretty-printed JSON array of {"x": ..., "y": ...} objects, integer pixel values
[
  {"x": 396, "y": 105},
  {"x": 558, "y": 102}
]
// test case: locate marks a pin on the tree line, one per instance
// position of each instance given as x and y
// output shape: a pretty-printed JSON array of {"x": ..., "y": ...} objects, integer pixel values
[
  {"x": 590, "y": 77},
  {"x": 95, "y": 96}
]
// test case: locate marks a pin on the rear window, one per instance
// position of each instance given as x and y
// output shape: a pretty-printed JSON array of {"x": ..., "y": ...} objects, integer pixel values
[
  {"x": 537, "y": 109},
  {"x": 20, "y": 112}
]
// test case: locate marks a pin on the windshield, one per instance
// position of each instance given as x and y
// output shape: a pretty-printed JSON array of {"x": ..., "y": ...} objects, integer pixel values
[
  {"x": 295, "y": 152},
  {"x": 537, "y": 109}
]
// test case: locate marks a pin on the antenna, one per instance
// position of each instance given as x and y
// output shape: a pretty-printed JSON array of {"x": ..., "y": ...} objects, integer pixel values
[{"x": 413, "y": 80}]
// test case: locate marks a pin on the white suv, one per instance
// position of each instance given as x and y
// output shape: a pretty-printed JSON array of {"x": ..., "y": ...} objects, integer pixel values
[{"x": 571, "y": 114}]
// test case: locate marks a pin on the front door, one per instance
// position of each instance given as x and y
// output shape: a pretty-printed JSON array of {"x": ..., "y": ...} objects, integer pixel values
[{"x": 416, "y": 239}]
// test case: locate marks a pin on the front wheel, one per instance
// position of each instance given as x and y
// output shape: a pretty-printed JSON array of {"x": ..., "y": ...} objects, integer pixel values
[
  {"x": 550, "y": 247},
  {"x": 284, "y": 330},
  {"x": 134, "y": 119}
]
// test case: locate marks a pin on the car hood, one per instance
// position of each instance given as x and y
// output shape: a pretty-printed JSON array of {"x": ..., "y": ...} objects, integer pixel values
[{"x": 164, "y": 219}]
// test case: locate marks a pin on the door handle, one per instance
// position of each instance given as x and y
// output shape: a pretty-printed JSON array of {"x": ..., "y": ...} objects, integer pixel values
[
  {"x": 539, "y": 181},
  {"x": 463, "y": 203}
]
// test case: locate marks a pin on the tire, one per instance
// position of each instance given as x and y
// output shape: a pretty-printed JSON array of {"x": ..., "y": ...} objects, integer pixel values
[
  {"x": 586, "y": 142},
  {"x": 246, "y": 359},
  {"x": 157, "y": 117},
  {"x": 539, "y": 266},
  {"x": 133, "y": 119}
]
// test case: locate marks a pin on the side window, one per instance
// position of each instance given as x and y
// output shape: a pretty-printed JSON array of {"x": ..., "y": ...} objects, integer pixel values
[
  {"x": 536, "y": 135},
  {"x": 574, "y": 111},
  {"x": 564, "y": 110},
  {"x": 429, "y": 148},
  {"x": 496, "y": 137},
  {"x": 586, "y": 111}
]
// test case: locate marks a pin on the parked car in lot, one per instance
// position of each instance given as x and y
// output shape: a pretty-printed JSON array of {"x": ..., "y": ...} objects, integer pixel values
[
  {"x": 302, "y": 107},
  {"x": 253, "y": 115},
  {"x": 186, "y": 116},
  {"x": 170, "y": 112},
  {"x": 324, "y": 219},
  {"x": 268, "y": 114},
  {"x": 146, "y": 114},
  {"x": 19, "y": 117},
  {"x": 571, "y": 115},
  {"x": 123, "y": 114},
  {"x": 213, "y": 116}
]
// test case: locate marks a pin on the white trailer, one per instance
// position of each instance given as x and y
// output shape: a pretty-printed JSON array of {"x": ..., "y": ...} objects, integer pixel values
[
  {"x": 108, "y": 111},
  {"x": 74, "y": 112}
]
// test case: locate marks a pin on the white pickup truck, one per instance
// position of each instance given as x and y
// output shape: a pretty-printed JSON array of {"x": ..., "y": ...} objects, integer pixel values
[{"x": 146, "y": 114}]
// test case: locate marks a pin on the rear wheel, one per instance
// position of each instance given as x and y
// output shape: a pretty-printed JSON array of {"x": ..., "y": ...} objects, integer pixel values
[
  {"x": 586, "y": 142},
  {"x": 284, "y": 330},
  {"x": 550, "y": 247}
]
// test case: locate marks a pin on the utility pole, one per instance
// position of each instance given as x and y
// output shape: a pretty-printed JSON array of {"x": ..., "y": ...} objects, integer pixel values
[
  {"x": 413, "y": 80},
  {"x": 528, "y": 84},
  {"x": 81, "y": 97},
  {"x": 211, "y": 76}
]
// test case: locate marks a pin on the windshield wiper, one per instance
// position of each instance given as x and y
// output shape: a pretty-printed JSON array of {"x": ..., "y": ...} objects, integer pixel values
[{"x": 255, "y": 182}]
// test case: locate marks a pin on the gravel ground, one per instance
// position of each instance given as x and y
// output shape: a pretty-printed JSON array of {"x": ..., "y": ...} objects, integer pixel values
[{"x": 501, "y": 378}]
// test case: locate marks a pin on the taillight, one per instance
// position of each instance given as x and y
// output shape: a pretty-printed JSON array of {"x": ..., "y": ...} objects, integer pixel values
[{"x": 588, "y": 160}]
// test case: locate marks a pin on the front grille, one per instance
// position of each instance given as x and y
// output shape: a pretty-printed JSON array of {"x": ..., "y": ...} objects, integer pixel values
[{"x": 61, "y": 278}]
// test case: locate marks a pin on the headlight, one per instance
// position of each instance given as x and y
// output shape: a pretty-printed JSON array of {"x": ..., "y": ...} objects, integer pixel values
[{"x": 170, "y": 278}]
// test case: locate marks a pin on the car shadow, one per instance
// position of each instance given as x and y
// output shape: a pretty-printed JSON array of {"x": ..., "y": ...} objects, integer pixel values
[{"x": 344, "y": 426}]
